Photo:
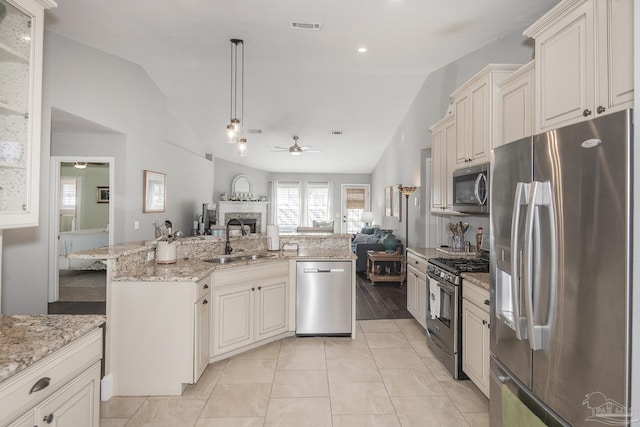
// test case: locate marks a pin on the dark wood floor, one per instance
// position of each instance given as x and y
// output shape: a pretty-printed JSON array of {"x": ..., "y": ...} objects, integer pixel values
[
  {"x": 385, "y": 300},
  {"x": 64, "y": 307}
]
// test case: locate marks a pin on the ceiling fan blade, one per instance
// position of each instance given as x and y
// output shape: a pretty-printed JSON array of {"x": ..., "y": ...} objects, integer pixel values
[
  {"x": 280, "y": 151},
  {"x": 313, "y": 151},
  {"x": 305, "y": 147},
  {"x": 281, "y": 148}
]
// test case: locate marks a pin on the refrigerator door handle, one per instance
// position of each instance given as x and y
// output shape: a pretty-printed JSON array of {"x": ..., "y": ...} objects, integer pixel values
[
  {"x": 539, "y": 195},
  {"x": 481, "y": 200},
  {"x": 521, "y": 199}
]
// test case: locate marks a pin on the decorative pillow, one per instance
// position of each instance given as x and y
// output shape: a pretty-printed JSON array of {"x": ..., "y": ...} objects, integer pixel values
[
  {"x": 322, "y": 223},
  {"x": 361, "y": 238},
  {"x": 379, "y": 233},
  {"x": 372, "y": 239}
]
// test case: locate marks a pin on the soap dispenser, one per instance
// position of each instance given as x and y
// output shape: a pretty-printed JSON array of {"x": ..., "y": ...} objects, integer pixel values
[{"x": 478, "y": 240}]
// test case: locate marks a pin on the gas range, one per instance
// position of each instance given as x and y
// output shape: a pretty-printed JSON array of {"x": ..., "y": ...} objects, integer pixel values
[{"x": 450, "y": 269}]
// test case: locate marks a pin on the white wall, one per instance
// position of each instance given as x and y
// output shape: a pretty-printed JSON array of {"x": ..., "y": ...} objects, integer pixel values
[
  {"x": 403, "y": 161},
  {"x": 119, "y": 95}
]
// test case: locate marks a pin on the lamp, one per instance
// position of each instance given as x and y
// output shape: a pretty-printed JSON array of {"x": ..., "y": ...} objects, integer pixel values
[
  {"x": 367, "y": 218},
  {"x": 80, "y": 165},
  {"x": 234, "y": 128},
  {"x": 242, "y": 147},
  {"x": 406, "y": 192}
]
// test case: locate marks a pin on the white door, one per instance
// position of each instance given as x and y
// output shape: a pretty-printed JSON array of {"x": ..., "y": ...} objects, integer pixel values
[{"x": 355, "y": 201}]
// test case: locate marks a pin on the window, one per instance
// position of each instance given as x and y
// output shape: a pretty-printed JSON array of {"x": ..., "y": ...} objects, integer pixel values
[
  {"x": 68, "y": 203},
  {"x": 301, "y": 203}
]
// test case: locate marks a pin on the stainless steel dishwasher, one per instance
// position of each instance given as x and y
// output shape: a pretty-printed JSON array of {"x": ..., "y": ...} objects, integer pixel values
[{"x": 323, "y": 298}]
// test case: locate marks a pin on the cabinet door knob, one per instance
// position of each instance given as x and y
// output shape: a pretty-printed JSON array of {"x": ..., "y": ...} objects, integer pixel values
[
  {"x": 486, "y": 302},
  {"x": 253, "y": 289},
  {"x": 586, "y": 112},
  {"x": 600, "y": 109},
  {"x": 48, "y": 418},
  {"x": 205, "y": 302},
  {"x": 205, "y": 286},
  {"x": 484, "y": 322},
  {"x": 40, "y": 384}
]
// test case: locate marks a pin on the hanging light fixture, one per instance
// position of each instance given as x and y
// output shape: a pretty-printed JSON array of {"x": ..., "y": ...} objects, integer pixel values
[
  {"x": 234, "y": 128},
  {"x": 242, "y": 147}
]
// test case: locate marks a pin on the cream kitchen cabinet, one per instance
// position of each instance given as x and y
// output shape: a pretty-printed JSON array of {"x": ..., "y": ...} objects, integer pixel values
[
  {"x": 63, "y": 389},
  {"x": 21, "y": 41},
  {"x": 250, "y": 306},
  {"x": 417, "y": 287},
  {"x": 515, "y": 105},
  {"x": 475, "y": 111},
  {"x": 475, "y": 335},
  {"x": 160, "y": 335},
  {"x": 584, "y": 61},
  {"x": 443, "y": 143}
]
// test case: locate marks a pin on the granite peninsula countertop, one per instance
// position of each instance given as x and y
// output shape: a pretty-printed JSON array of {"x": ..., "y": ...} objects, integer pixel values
[
  {"x": 190, "y": 270},
  {"x": 27, "y": 339}
]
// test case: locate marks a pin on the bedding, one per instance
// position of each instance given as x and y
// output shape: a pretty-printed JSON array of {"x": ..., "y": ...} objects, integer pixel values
[{"x": 74, "y": 241}]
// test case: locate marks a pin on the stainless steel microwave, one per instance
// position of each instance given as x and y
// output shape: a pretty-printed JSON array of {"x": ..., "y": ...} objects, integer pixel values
[{"x": 471, "y": 189}]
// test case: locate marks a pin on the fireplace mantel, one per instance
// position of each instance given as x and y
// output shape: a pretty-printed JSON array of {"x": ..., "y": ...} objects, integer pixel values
[{"x": 261, "y": 208}]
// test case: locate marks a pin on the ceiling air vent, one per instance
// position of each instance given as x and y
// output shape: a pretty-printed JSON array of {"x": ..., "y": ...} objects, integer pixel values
[
  {"x": 336, "y": 132},
  {"x": 306, "y": 26},
  {"x": 255, "y": 131}
]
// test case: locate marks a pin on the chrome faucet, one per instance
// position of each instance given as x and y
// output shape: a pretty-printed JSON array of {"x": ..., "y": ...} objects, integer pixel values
[{"x": 227, "y": 247}]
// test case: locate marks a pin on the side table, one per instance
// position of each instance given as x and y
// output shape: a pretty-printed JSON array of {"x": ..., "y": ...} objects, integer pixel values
[{"x": 376, "y": 272}]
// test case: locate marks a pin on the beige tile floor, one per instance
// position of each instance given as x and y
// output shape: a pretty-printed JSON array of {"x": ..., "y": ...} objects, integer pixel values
[{"x": 386, "y": 377}]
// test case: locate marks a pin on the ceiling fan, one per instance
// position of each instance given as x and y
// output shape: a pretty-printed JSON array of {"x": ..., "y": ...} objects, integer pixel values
[{"x": 295, "y": 149}]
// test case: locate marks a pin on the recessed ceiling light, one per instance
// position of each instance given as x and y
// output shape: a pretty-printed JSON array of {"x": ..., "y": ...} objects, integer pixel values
[{"x": 362, "y": 49}]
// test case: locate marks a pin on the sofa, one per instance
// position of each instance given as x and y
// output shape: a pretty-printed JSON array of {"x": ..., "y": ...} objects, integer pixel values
[{"x": 368, "y": 240}]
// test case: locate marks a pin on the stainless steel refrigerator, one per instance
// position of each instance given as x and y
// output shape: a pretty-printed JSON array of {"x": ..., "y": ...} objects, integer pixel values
[{"x": 561, "y": 276}]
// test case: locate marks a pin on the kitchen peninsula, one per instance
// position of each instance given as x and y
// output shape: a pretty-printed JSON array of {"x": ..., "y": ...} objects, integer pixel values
[{"x": 167, "y": 322}]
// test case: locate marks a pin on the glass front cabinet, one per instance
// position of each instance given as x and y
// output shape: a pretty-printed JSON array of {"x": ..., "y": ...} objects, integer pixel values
[{"x": 21, "y": 37}]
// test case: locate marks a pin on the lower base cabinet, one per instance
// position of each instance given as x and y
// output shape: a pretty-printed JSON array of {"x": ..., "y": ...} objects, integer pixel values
[
  {"x": 160, "y": 336},
  {"x": 475, "y": 336},
  {"x": 417, "y": 288},
  {"x": 250, "y": 305},
  {"x": 71, "y": 396}
]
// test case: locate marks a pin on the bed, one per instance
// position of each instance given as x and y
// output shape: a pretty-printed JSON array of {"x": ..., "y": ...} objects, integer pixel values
[{"x": 74, "y": 241}]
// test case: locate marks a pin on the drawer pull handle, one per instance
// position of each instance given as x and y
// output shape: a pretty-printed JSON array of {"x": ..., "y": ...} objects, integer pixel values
[
  {"x": 48, "y": 418},
  {"x": 40, "y": 384},
  {"x": 486, "y": 302}
]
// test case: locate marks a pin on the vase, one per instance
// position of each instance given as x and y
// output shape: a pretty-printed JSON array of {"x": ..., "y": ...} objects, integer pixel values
[{"x": 390, "y": 243}]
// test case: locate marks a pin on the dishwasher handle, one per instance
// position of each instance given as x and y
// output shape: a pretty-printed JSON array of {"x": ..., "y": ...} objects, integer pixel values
[{"x": 324, "y": 270}]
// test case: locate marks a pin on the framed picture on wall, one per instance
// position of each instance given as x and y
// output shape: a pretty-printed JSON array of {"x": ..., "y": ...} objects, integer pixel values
[
  {"x": 155, "y": 192},
  {"x": 102, "y": 194},
  {"x": 388, "y": 205}
]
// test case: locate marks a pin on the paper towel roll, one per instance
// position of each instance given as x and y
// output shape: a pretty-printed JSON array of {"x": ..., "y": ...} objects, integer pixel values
[{"x": 273, "y": 238}]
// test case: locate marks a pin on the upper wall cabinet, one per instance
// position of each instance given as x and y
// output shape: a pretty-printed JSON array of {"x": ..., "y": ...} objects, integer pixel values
[
  {"x": 443, "y": 147},
  {"x": 21, "y": 36},
  {"x": 475, "y": 110},
  {"x": 584, "y": 61},
  {"x": 515, "y": 106}
]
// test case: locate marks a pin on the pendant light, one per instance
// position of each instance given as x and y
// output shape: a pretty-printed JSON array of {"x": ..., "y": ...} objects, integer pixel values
[
  {"x": 242, "y": 147},
  {"x": 234, "y": 128}
]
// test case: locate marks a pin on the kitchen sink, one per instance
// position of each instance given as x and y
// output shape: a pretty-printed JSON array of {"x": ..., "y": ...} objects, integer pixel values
[{"x": 226, "y": 259}]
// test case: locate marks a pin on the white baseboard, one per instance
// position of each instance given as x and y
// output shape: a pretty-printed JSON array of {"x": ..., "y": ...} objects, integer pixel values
[{"x": 106, "y": 388}]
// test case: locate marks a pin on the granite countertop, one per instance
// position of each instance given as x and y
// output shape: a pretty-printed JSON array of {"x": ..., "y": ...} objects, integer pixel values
[
  {"x": 190, "y": 270},
  {"x": 113, "y": 251},
  {"x": 479, "y": 279},
  {"x": 27, "y": 339}
]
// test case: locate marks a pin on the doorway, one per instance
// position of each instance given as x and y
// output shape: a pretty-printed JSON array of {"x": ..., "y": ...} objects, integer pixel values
[
  {"x": 82, "y": 219},
  {"x": 355, "y": 201}
]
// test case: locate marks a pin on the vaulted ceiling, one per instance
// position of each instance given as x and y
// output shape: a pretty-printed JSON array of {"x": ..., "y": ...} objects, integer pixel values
[{"x": 297, "y": 82}]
